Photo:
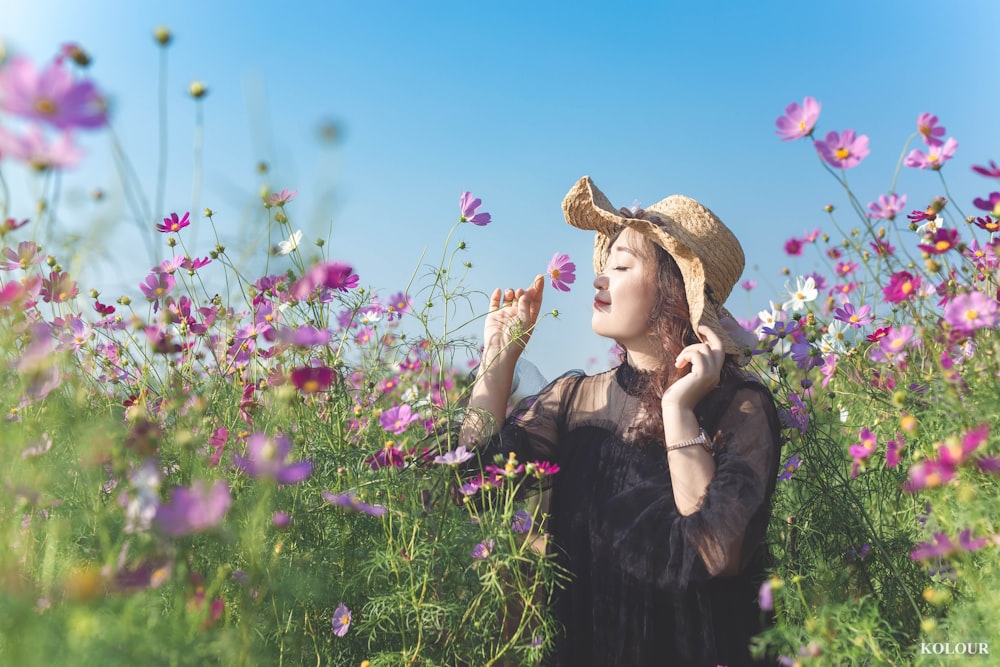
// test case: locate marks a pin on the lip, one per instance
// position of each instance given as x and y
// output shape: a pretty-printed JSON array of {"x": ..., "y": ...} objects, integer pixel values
[{"x": 600, "y": 304}]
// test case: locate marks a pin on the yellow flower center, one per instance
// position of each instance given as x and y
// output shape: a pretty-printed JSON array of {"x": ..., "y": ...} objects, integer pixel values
[
  {"x": 906, "y": 287},
  {"x": 971, "y": 314},
  {"x": 159, "y": 291},
  {"x": 554, "y": 273},
  {"x": 942, "y": 245},
  {"x": 802, "y": 125},
  {"x": 854, "y": 319},
  {"x": 43, "y": 105},
  {"x": 310, "y": 386},
  {"x": 842, "y": 153}
]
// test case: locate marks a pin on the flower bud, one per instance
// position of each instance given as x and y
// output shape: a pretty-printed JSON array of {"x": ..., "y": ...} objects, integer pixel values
[
  {"x": 828, "y": 208},
  {"x": 197, "y": 90},
  {"x": 171, "y": 241},
  {"x": 124, "y": 300},
  {"x": 50, "y": 260},
  {"x": 163, "y": 36},
  {"x": 208, "y": 212}
]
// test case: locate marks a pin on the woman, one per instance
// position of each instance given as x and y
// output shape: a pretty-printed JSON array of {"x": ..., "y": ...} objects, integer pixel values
[{"x": 667, "y": 463}]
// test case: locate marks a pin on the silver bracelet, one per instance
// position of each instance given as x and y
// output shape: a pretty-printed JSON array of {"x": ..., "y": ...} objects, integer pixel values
[{"x": 700, "y": 439}]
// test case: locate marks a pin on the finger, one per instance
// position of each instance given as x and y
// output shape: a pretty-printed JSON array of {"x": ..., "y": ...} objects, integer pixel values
[
  {"x": 508, "y": 297},
  {"x": 713, "y": 341},
  {"x": 495, "y": 299}
]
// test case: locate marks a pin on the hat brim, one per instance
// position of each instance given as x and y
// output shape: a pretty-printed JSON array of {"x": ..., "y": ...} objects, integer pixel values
[{"x": 586, "y": 207}]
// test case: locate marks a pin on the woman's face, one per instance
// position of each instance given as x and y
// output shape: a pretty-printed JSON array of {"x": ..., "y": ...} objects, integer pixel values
[{"x": 626, "y": 292}]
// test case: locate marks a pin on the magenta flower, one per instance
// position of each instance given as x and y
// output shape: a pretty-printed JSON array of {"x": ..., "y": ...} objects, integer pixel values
[
  {"x": 765, "y": 596},
  {"x": 843, "y": 151},
  {"x": 194, "y": 509},
  {"x": 893, "y": 346},
  {"x": 970, "y": 311},
  {"x": 992, "y": 171},
  {"x": 862, "y": 451},
  {"x": 882, "y": 247},
  {"x": 469, "y": 206},
  {"x": 267, "y": 458},
  {"x": 341, "y": 620},
  {"x": 748, "y": 285},
  {"x": 798, "y": 121},
  {"x": 312, "y": 379},
  {"x": 398, "y": 418},
  {"x": 902, "y": 286},
  {"x": 282, "y": 198},
  {"x": 930, "y": 131},
  {"x": 52, "y": 95},
  {"x": 892, "y": 449},
  {"x": 941, "y": 242},
  {"x": 174, "y": 224},
  {"x": 453, "y": 458},
  {"x": 350, "y": 502},
  {"x": 281, "y": 520},
  {"x": 33, "y": 149},
  {"x": 789, "y": 468},
  {"x": 934, "y": 158},
  {"x": 561, "y": 272},
  {"x": 483, "y": 550},
  {"x": 389, "y": 456},
  {"x": 855, "y": 317},
  {"x": 990, "y": 204},
  {"x": 521, "y": 523},
  {"x": 793, "y": 247},
  {"x": 324, "y": 276},
  {"x": 399, "y": 304},
  {"x": 942, "y": 546},
  {"x": 845, "y": 268},
  {"x": 886, "y": 207}
]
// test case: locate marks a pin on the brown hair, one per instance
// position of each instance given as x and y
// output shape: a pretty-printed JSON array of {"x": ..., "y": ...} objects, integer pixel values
[{"x": 670, "y": 324}]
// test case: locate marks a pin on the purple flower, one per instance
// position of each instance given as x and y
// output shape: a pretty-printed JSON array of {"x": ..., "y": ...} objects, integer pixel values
[
  {"x": 843, "y": 151},
  {"x": 789, "y": 468},
  {"x": 855, "y": 317},
  {"x": 798, "y": 121},
  {"x": 993, "y": 171},
  {"x": 33, "y": 149},
  {"x": 561, "y": 272},
  {"x": 469, "y": 206},
  {"x": 862, "y": 451},
  {"x": 930, "y": 131},
  {"x": 348, "y": 501},
  {"x": 280, "y": 520},
  {"x": 52, "y": 95},
  {"x": 304, "y": 336},
  {"x": 934, "y": 158},
  {"x": 194, "y": 509},
  {"x": 341, "y": 620},
  {"x": 521, "y": 522},
  {"x": 267, "y": 458},
  {"x": 398, "y": 418},
  {"x": 388, "y": 456},
  {"x": 324, "y": 276},
  {"x": 991, "y": 203},
  {"x": 453, "y": 458},
  {"x": 970, "y": 311},
  {"x": 765, "y": 596},
  {"x": 886, "y": 208},
  {"x": 892, "y": 449},
  {"x": 157, "y": 285},
  {"x": 483, "y": 550}
]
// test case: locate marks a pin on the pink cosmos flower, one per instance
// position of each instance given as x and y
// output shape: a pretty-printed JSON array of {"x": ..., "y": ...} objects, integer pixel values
[
  {"x": 469, "y": 206},
  {"x": 388, "y": 456},
  {"x": 843, "y": 151},
  {"x": 53, "y": 95},
  {"x": 793, "y": 247},
  {"x": 988, "y": 223},
  {"x": 454, "y": 458},
  {"x": 398, "y": 418},
  {"x": 983, "y": 256},
  {"x": 324, "y": 276},
  {"x": 892, "y": 449},
  {"x": 194, "y": 509},
  {"x": 174, "y": 224},
  {"x": 483, "y": 550},
  {"x": 312, "y": 379},
  {"x": 862, "y": 451},
  {"x": 157, "y": 285},
  {"x": 882, "y": 247},
  {"x": 400, "y": 303},
  {"x": 934, "y": 158},
  {"x": 282, "y": 198},
  {"x": 886, "y": 207},
  {"x": 940, "y": 242},
  {"x": 930, "y": 131},
  {"x": 561, "y": 272},
  {"x": 33, "y": 149},
  {"x": 350, "y": 502},
  {"x": 902, "y": 286},
  {"x": 893, "y": 346},
  {"x": 970, "y": 311},
  {"x": 845, "y": 268},
  {"x": 789, "y": 468},
  {"x": 58, "y": 288},
  {"x": 798, "y": 121},
  {"x": 267, "y": 458},
  {"x": 26, "y": 255},
  {"x": 992, "y": 171},
  {"x": 990, "y": 204},
  {"x": 748, "y": 285}
]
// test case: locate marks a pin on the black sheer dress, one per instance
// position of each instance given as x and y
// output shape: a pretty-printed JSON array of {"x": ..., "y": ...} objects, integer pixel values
[{"x": 643, "y": 590}]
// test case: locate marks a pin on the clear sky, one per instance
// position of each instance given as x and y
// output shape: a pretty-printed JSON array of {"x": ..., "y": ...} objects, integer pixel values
[{"x": 514, "y": 101}]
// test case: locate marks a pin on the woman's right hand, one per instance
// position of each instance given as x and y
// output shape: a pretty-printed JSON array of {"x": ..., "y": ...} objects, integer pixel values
[{"x": 511, "y": 320}]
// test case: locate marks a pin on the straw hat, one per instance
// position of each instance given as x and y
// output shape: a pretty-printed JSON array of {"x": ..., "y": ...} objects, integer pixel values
[{"x": 707, "y": 253}]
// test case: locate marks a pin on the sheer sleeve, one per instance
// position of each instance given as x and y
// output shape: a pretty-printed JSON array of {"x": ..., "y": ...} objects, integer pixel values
[
  {"x": 652, "y": 541},
  {"x": 533, "y": 429}
]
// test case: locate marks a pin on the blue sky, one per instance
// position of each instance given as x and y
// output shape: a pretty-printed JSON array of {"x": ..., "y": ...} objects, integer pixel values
[{"x": 514, "y": 101}]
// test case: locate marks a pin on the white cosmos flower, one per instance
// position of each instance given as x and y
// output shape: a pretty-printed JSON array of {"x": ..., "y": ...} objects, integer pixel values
[
  {"x": 286, "y": 247},
  {"x": 803, "y": 292},
  {"x": 768, "y": 318}
]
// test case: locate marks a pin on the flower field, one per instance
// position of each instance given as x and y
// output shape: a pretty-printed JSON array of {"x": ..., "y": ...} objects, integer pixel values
[{"x": 221, "y": 468}]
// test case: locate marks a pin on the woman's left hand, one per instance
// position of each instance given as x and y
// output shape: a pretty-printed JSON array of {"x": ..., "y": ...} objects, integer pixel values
[{"x": 704, "y": 362}]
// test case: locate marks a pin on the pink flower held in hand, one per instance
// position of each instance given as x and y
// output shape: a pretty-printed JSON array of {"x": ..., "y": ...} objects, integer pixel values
[
  {"x": 844, "y": 150},
  {"x": 561, "y": 272},
  {"x": 798, "y": 121},
  {"x": 469, "y": 206}
]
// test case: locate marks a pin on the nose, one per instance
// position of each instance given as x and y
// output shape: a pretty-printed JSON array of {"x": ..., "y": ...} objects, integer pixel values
[{"x": 600, "y": 281}]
